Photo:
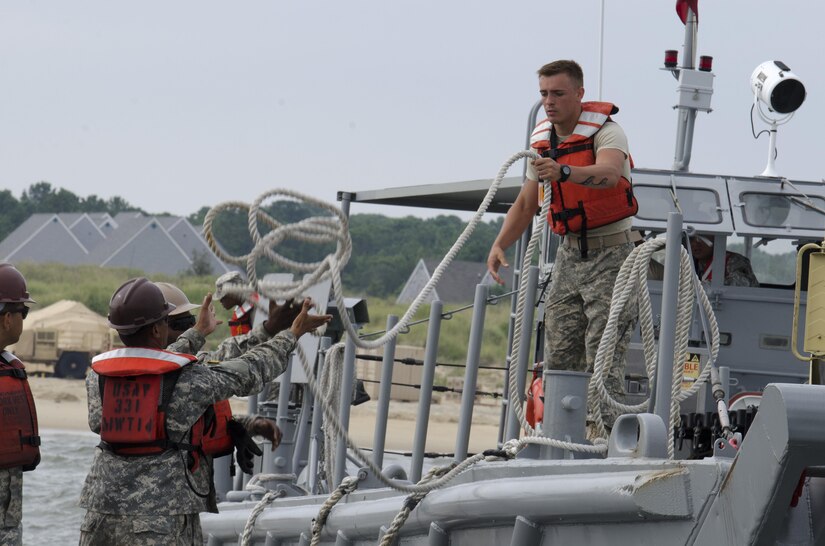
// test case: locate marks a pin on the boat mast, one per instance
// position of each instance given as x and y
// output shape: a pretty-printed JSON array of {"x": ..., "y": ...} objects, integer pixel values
[{"x": 687, "y": 114}]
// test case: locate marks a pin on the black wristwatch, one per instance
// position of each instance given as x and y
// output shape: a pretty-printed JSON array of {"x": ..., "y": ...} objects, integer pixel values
[{"x": 565, "y": 173}]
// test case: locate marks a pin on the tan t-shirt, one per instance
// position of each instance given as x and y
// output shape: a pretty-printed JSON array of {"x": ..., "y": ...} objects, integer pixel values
[{"x": 609, "y": 136}]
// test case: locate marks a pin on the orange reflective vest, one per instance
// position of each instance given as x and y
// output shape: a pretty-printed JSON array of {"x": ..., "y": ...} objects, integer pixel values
[
  {"x": 241, "y": 321},
  {"x": 19, "y": 439},
  {"x": 576, "y": 208},
  {"x": 136, "y": 388}
]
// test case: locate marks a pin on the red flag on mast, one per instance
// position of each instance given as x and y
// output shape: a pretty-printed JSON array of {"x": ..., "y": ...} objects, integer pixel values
[{"x": 682, "y": 9}]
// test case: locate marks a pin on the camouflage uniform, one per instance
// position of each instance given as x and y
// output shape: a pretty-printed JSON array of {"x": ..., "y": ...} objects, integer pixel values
[
  {"x": 11, "y": 506},
  {"x": 154, "y": 499},
  {"x": 191, "y": 342},
  {"x": 738, "y": 270},
  {"x": 231, "y": 347},
  {"x": 576, "y": 312}
]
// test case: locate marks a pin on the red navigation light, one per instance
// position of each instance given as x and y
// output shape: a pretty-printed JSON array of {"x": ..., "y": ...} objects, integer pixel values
[
  {"x": 705, "y": 63},
  {"x": 671, "y": 58}
]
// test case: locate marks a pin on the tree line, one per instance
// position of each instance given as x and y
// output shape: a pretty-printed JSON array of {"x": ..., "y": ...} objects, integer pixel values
[
  {"x": 385, "y": 249},
  {"x": 42, "y": 197}
]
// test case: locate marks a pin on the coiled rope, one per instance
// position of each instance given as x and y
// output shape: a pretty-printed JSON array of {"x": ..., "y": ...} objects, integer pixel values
[
  {"x": 630, "y": 281},
  {"x": 326, "y": 230},
  {"x": 335, "y": 228}
]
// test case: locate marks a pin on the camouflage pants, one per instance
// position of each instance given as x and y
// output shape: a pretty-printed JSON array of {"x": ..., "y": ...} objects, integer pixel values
[
  {"x": 113, "y": 530},
  {"x": 576, "y": 312},
  {"x": 11, "y": 536}
]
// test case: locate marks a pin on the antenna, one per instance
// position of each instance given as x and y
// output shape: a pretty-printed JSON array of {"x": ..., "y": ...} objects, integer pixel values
[
  {"x": 695, "y": 88},
  {"x": 778, "y": 89}
]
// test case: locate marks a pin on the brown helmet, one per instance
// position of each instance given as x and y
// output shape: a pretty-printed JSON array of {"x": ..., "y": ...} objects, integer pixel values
[
  {"x": 13, "y": 286},
  {"x": 135, "y": 304}
]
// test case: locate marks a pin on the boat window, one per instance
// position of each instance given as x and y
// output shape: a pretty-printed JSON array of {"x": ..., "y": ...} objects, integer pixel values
[
  {"x": 698, "y": 205},
  {"x": 773, "y": 261},
  {"x": 788, "y": 211}
]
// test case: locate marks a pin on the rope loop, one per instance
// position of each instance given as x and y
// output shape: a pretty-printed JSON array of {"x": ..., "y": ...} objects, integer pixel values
[
  {"x": 246, "y": 536},
  {"x": 347, "y": 486}
]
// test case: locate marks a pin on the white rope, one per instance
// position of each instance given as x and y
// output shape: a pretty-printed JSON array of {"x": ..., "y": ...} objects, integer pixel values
[
  {"x": 632, "y": 279},
  {"x": 268, "y": 497},
  {"x": 246, "y": 536},
  {"x": 334, "y": 359},
  {"x": 334, "y": 228},
  {"x": 521, "y": 303},
  {"x": 533, "y": 435},
  {"x": 330, "y": 392},
  {"x": 409, "y": 505},
  {"x": 347, "y": 486}
]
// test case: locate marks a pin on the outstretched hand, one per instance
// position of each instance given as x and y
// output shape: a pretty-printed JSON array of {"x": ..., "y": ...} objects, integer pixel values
[
  {"x": 305, "y": 322},
  {"x": 495, "y": 260},
  {"x": 281, "y": 316},
  {"x": 207, "y": 321}
]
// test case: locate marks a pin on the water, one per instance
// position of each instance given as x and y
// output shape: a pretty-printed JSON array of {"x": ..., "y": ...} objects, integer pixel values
[{"x": 51, "y": 492}]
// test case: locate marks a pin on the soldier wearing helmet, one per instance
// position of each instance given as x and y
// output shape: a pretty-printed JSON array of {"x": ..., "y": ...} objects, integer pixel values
[
  {"x": 18, "y": 420},
  {"x": 243, "y": 309},
  {"x": 151, "y": 475},
  {"x": 184, "y": 338}
]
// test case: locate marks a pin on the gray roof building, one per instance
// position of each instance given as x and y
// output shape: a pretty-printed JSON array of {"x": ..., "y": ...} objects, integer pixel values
[
  {"x": 457, "y": 285},
  {"x": 154, "y": 244}
]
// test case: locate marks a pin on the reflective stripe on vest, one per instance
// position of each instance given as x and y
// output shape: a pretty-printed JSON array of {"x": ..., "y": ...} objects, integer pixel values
[
  {"x": 137, "y": 387},
  {"x": 19, "y": 437},
  {"x": 241, "y": 321},
  {"x": 139, "y": 361}
]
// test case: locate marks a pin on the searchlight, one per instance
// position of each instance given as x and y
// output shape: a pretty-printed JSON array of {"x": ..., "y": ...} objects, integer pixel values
[{"x": 779, "y": 91}]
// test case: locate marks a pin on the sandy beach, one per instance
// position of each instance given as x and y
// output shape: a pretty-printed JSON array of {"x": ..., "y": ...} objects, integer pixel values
[{"x": 61, "y": 404}]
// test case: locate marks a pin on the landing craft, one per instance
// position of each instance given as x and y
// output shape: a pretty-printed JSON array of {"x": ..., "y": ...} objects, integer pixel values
[{"x": 688, "y": 473}]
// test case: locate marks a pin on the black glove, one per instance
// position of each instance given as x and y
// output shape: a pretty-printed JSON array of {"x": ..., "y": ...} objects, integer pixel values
[{"x": 245, "y": 446}]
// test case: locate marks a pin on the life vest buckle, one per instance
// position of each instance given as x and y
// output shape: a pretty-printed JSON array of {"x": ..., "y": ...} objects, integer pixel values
[
  {"x": 18, "y": 373},
  {"x": 567, "y": 214},
  {"x": 30, "y": 440}
]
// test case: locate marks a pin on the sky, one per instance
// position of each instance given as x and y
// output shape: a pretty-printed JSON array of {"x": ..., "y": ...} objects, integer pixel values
[{"x": 178, "y": 105}]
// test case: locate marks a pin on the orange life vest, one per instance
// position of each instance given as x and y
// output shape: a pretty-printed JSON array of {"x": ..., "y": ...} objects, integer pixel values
[
  {"x": 534, "y": 412},
  {"x": 241, "y": 321},
  {"x": 576, "y": 208},
  {"x": 136, "y": 388},
  {"x": 19, "y": 439}
]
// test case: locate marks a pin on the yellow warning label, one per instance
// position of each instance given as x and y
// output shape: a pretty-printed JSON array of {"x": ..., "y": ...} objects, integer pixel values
[{"x": 692, "y": 368}]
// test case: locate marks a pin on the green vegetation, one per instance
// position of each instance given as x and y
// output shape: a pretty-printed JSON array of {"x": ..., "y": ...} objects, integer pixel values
[
  {"x": 385, "y": 250},
  {"x": 770, "y": 268},
  {"x": 42, "y": 197},
  {"x": 385, "y": 253},
  {"x": 93, "y": 286},
  {"x": 455, "y": 332}
]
